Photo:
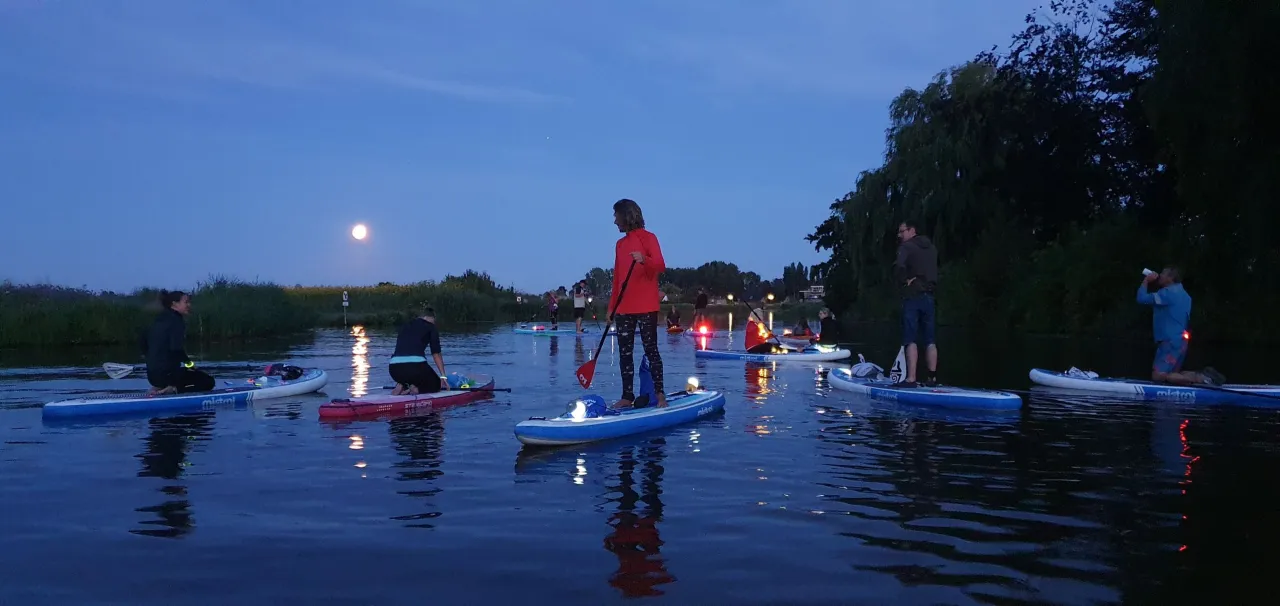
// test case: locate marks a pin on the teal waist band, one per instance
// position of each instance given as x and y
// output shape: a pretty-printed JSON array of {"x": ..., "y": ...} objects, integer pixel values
[{"x": 407, "y": 359}]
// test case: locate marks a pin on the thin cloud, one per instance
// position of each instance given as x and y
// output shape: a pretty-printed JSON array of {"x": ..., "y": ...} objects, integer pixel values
[{"x": 180, "y": 45}]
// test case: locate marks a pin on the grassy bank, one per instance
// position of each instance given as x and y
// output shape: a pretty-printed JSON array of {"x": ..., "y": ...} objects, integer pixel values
[{"x": 225, "y": 310}]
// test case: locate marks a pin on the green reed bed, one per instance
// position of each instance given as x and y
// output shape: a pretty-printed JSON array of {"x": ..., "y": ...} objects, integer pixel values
[{"x": 44, "y": 315}]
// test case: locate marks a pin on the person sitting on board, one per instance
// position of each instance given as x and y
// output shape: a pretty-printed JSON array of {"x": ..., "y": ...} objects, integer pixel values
[
  {"x": 409, "y": 367},
  {"x": 579, "y": 305},
  {"x": 169, "y": 368},
  {"x": 700, "y": 309},
  {"x": 1171, "y": 310},
  {"x": 638, "y": 309},
  {"x": 828, "y": 329},
  {"x": 802, "y": 329},
  {"x": 759, "y": 339},
  {"x": 553, "y": 309},
  {"x": 673, "y": 318}
]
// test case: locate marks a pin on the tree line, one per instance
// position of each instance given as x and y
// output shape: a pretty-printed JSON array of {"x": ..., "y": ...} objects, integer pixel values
[
  {"x": 718, "y": 279},
  {"x": 1106, "y": 138}
]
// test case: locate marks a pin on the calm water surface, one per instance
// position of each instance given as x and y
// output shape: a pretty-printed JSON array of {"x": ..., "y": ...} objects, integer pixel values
[{"x": 797, "y": 494}]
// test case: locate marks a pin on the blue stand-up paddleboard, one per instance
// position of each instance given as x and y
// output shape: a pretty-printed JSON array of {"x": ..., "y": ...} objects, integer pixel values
[
  {"x": 541, "y": 329},
  {"x": 589, "y": 418},
  {"x": 868, "y": 379},
  {"x": 812, "y": 353},
  {"x": 1261, "y": 396},
  {"x": 235, "y": 394}
]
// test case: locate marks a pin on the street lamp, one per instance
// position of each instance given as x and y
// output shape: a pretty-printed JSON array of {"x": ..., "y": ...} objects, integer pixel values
[
  {"x": 769, "y": 296},
  {"x": 730, "y": 297}
]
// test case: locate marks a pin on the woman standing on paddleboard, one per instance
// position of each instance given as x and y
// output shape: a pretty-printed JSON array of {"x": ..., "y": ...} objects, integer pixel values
[
  {"x": 638, "y": 309},
  {"x": 409, "y": 367},
  {"x": 169, "y": 368}
]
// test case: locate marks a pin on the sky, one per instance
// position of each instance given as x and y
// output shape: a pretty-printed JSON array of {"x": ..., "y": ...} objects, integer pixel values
[{"x": 150, "y": 142}]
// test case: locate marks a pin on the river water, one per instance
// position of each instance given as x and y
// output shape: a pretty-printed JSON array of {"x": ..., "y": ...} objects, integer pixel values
[{"x": 796, "y": 494}]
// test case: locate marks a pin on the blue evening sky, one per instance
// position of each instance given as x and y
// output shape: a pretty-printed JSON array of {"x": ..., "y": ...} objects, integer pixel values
[{"x": 150, "y": 142}]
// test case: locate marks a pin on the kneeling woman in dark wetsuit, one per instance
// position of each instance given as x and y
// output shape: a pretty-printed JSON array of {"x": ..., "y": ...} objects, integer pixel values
[
  {"x": 409, "y": 367},
  {"x": 169, "y": 369}
]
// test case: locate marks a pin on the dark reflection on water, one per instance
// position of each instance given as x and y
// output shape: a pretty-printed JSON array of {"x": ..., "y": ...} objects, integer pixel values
[
  {"x": 419, "y": 439},
  {"x": 167, "y": 447},
  {"x": 637, "y": 497}
]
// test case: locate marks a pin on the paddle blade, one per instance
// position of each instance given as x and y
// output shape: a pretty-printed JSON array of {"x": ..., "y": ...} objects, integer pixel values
[
  {"x": 117, "y": 371},
  {"x": 586, "y": 373}
]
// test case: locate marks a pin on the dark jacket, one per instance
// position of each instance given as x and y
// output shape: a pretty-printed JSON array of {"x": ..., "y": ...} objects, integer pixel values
[
  {"x": 166, "y": 343},
  {"x": 917, "y": 258},
  {"x": 828, "y": 331}
]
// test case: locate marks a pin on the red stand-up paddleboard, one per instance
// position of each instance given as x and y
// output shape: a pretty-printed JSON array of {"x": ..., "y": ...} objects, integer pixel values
[{"x": 372, "y": 406}]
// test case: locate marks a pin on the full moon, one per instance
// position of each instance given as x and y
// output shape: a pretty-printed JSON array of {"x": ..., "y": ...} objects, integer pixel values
[{"x": 359, "y": 231}]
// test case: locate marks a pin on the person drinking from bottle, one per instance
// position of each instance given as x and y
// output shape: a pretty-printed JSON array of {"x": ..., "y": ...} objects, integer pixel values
[
  {"x": 1171, "y": 311},
  {"x": 169, "y": 368},
  {"x": 409, "y": 367},
  {"x": 637, "y": 308}
]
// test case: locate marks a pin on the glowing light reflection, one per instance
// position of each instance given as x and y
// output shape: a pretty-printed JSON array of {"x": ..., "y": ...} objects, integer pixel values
[
  {"x": 357, "y": 443},
  {"x": 359, "y": 362},
  {"x": 580, "y": 472}
]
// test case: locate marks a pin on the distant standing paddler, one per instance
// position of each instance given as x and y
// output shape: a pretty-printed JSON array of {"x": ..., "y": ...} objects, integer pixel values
[
  {"x": 409, "y": 367},
  {"x": 579, "y": 305},
  {"x": 169, "y": 368}
]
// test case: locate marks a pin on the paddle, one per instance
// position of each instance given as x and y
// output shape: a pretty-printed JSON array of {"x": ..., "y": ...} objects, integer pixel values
[
  {"x": 587, "y": 371},
  {"x": 115, "y": 370}
]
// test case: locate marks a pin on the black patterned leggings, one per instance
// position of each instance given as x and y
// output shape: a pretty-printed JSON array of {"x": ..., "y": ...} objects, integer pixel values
[{"x": 647, "y": 324}]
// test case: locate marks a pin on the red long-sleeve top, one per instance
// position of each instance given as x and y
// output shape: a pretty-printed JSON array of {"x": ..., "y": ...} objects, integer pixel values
[{"x": 642, "y": 294}]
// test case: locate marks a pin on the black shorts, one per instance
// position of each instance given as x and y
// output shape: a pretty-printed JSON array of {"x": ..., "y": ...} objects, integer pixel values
[
  {"x": 184, "y": 379},
  {"x": 417, "y": 374},
  {"x": 578, "y": 312}
]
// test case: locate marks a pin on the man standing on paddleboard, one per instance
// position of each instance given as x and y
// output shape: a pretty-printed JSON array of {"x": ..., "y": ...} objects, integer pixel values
[
  {"x": 1171, "y": 311},
  {"x": 579, "y": 304},
  {"x": 700, "y": 309},
  {"x": 638, "y": 309},
  {"x": 916, "y": 270}
]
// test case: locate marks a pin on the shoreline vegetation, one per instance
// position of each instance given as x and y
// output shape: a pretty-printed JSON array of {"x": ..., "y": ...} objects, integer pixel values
[{"x": 228, "y": 310}]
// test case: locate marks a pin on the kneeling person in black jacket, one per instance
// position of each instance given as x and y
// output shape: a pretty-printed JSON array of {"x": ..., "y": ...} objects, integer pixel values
[
  {"x": 409, "y": 367},
  {"x": 169, "y": 369}
]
